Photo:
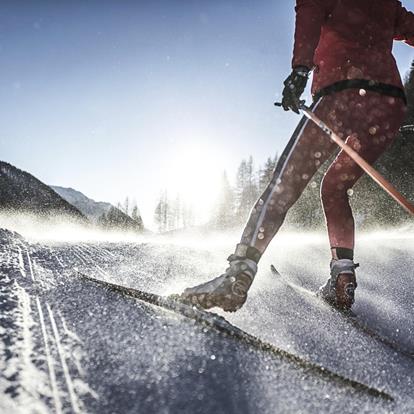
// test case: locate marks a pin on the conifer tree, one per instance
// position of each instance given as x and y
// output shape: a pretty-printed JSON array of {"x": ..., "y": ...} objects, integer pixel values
[
  {"x": 177, "y": 216},
  {"x": 136, "y": 217},
  {"x": 188, "y": 216},
  {"x": 161, "y": 213},
  {"x": 223, "y": 216},
  {"x": 266, "y": 173},
  {"x": 126, "y": 206},
  {"x": 246, "y": 188}
]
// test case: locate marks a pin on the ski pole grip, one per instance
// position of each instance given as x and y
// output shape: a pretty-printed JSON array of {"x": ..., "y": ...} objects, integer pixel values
[{"x": 301, "y": 104}]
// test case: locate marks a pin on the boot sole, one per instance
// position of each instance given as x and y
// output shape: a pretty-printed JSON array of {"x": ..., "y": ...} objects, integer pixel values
[{"x": 207, "y": 301}]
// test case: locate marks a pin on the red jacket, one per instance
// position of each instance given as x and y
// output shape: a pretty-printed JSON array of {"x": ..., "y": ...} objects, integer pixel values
[{"x": 350, "y": 40}]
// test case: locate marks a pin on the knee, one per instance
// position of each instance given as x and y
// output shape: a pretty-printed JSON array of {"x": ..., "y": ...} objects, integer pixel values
[
  {"x": 333, "y": 189},
  {"x": 282, "y": 201}
]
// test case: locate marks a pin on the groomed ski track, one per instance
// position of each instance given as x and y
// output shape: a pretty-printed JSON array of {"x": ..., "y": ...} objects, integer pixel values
[{"x": 70, "y": 346}]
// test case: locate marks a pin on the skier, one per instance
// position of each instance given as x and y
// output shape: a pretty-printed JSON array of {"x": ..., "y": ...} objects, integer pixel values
[{"x": 358, "y": 92}]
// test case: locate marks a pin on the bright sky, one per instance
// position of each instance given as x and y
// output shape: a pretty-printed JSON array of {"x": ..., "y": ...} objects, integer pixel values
[{"x": 117, "y": 98}]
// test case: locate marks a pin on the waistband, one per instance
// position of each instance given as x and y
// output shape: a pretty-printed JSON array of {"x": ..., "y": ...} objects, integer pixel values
[{"x": 369, "y": 85}]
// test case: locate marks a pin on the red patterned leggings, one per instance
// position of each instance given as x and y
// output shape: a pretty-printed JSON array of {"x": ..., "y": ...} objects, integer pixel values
[{"x": 368, "y": 122}]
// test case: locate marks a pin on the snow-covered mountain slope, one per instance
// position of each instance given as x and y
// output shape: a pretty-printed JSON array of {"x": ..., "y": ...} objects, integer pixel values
[
  {"x": 69, "y": 346},
  {"x": 90, "y": 208},
  {"x": 21, "y": 192},
  {"x": 114, "y": 218}
]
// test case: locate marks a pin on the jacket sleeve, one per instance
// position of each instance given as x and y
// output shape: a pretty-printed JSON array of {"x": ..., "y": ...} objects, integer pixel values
[
  {"x": 404, "y": 25},
  {"x": 310, "y": 15}
]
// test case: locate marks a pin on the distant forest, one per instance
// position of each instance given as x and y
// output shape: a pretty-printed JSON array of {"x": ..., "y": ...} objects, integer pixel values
[
  {"x": 232, "y": 205},
  {"x": 371, "y": 205},
  {"x": 125, "y": 216}
]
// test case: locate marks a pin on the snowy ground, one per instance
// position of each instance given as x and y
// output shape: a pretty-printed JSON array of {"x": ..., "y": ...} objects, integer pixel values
[{"x": 67, "y": 346}]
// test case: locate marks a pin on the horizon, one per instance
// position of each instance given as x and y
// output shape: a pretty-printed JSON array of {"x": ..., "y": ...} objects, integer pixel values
[{"x": 124, "y": 100}]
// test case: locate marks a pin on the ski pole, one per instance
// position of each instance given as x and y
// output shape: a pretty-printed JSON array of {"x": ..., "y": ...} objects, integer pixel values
[{"x": 372, "y": 172}]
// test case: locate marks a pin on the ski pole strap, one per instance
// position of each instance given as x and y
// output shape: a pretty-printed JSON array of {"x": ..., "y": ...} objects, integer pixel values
[{"x": 243, "y": 251}]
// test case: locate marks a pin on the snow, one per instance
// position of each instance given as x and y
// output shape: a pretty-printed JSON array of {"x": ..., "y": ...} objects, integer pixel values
[
  {"x": 30, "y": 380},
  {"x": 69, "y": 346}
]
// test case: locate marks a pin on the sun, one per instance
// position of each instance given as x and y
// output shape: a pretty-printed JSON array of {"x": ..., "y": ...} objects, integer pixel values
[{"x": 194, "y": 174}]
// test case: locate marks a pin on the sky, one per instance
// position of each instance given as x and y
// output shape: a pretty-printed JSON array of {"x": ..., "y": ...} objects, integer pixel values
[{"x": 127, "y": 98}]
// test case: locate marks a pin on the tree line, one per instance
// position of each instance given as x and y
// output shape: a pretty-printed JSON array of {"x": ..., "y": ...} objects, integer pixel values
[
  {"x": 233, "y": 203},
  {"x": 171, "y": 214},
  {"x": 125, "y": 216}
]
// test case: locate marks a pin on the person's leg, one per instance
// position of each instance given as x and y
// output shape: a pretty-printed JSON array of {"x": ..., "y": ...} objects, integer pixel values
[
  {"x": 374, "y": 121},
  {"x": 307, "y": 150}
]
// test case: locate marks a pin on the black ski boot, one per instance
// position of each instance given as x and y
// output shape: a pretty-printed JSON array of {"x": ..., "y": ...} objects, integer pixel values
[
  {"x": 228, "y": 291},
  {"x": 339, "y": 290}
]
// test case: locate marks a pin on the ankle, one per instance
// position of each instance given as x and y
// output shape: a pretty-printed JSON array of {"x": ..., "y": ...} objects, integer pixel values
[
  {"x": 339, "y": 253},
  {"x": 243, "y": 251}
]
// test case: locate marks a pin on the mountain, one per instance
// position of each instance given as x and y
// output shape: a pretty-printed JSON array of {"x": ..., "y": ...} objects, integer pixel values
[
  {"x": 22, "y": 192},
  {"x": 101, "y": 213},
  {"x": 90, "y": 208}
]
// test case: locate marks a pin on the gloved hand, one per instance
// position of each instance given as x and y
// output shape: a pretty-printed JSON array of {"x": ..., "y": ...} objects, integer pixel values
[{"x": 295, "y": 84}]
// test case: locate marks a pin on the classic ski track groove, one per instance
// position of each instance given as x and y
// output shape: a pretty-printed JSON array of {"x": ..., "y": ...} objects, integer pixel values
[
  {"x": 79, "y": 257},
  {"x": 354, "y": 322},
  {"x": 49, "y": 359},
  {"x": 58, "y": 260},
  {"x": 92, "y": 251},
  {"x": 55, "y": 339},
  {"x": 29, "y": 260},
  {"x": 51, "y": 362},
  {"x": 87, "y": 259},
  {"x": 68, "y": 378},
  {"x": 221, "y": 325},
  {"x": 21, "y": 262},
  {"x": 86, "y": 256}
]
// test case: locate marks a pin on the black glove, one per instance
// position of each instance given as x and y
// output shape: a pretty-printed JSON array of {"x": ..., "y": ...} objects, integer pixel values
[{"x": 295, "y": 84}]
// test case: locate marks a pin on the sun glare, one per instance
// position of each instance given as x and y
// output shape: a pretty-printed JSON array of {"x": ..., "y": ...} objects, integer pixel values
[{"x": 194, "y": 174}]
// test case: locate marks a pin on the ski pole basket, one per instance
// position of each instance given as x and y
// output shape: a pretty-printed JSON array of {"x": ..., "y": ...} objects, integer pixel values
[{"x": 407, "y": 129}]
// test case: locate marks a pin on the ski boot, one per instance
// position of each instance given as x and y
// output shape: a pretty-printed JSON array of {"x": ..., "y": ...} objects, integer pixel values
[
  {"x": 228, "y": 291},
  {"x": 339, "y": 290}
]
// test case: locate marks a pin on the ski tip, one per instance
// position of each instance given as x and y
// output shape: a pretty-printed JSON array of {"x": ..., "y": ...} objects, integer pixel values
[{"x": 274, "y": 270}]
